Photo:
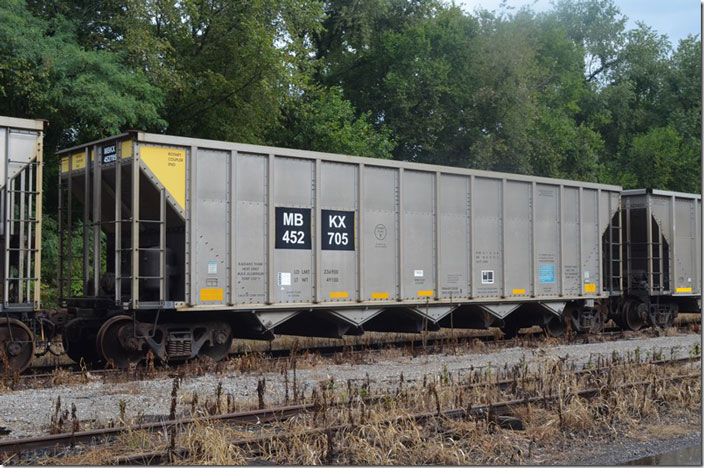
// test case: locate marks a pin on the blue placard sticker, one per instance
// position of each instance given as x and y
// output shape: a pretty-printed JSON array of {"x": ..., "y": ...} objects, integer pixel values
[{"x": 547, "y": 273}]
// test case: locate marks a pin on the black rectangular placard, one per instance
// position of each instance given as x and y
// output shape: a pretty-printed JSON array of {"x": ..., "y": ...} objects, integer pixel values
[
  {"x": 293, "y": 228},
  {"x": 109, "y": 154},
  {"x": 337, "y": 230}
]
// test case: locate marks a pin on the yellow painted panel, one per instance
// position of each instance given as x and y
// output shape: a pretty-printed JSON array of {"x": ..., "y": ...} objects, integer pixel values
[
  {"x": 211, "y": 294},
  {"x": 425, "y": 293},
  {"x": 126, "y": 149},
  {"x": 518, "y": 291},
  {"x": 338, "y": 294},
  {"x": 380, "y": 295},
  {"x": 78, "y": 161},
  {"x": 684, "y": 289},
  {"x": 169, "y": 166},
  {"x": 590, "y": 287}
]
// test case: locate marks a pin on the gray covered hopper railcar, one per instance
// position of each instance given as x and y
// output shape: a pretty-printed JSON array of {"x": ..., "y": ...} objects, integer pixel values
[
  {"x": 253, "y": 240},
  {"x": 662, "y": 256},
  {"x": 21, "y": 150}
]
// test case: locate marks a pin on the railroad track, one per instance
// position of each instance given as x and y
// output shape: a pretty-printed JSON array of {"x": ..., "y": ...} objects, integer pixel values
[
  {"x": 46, "y": 374},
  {"x": 11, "y": 448},
  {"x": 496, "y": 410},
  {"x": 50, "y": 375}
]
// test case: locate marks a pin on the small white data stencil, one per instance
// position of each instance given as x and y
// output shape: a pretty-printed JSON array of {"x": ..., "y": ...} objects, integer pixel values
[{"x": 284, "y": 279}]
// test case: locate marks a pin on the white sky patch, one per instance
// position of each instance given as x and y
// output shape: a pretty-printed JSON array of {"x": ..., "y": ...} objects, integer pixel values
[{"x": 675, "y": 18}]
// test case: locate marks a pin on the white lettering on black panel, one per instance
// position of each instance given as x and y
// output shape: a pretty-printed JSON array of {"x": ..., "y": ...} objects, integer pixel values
[
  {"x": 293, "y": 228},
  {"x": 337, "y": 230},
  {"x": 109, "y": 154}
]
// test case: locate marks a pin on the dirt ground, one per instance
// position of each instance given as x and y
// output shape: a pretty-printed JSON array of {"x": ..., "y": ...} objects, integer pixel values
[{"x": 618, "y": 449}]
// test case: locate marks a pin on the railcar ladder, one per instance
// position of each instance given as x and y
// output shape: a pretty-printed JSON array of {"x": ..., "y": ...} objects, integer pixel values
[
  {"x": 655, "y": 256},
  {"x": 653, "y": 250},
  {"x": 615, "y": 253},
  {"x": 65, "y": 223},
  {"x": 134, "y": 222},
  {"x": 20, "y": 220}
]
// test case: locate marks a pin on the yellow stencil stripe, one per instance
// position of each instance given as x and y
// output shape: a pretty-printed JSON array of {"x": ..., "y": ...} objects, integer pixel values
[
  {"x": 211, "y": 294},
  {"x": 380, "y": 295},
  {"x": 425, "y": 293},
  {"x": 684, "y": 289},
  {"x": 338, "y": 294},
  {"x": 518, "y": 291}
]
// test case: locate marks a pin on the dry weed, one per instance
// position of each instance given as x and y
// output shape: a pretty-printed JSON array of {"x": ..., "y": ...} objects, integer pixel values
[{"x": 360, "y": 424}]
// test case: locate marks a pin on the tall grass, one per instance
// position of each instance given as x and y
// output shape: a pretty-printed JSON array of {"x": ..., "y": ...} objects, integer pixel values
[{"x": 362, "y": 423}]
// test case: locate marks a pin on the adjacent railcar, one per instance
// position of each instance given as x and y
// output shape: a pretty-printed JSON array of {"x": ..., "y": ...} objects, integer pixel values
[
  {"x": 662, "y": 257},
  {"x": 187, "y": 243},
  {"x": 20, "y": 240}
]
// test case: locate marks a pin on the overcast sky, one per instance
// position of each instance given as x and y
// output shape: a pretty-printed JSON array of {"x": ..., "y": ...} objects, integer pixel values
[{"x": 675, "y": 18}]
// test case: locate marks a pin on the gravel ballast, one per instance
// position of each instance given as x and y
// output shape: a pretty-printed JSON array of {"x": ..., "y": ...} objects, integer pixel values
[{"x": 28, "y": 412}]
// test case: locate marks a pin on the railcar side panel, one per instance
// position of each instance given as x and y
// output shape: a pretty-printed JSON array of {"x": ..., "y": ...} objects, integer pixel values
[
  {"x": 488, "y": 238},
  {"x": 684, "y": 273},
  {"x": 210, "y": 212},
  {"x": 547, "y": 240},
  {"x": 590, "y": 243},
  {"x": 455, "y": 263},
  {"x": 338, "y": 232},
  {"x": 418, "y": 235},
  {"x": 571, "y": 241},
  {"x": 294, "y": 230},
  {"x": 519, "y": 238},
  {"x": 380, "y": 249},
  {"x": 250, "y": 229}
]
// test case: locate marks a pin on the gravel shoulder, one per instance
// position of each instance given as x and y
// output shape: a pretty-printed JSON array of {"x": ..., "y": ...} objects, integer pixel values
[
  {"x": 28, "y": 412},
  {"x": 628, "y": 451}
]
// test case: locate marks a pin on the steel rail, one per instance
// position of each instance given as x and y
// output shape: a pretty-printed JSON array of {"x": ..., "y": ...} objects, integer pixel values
[
  {"x": 488, "y": 410},
  {"x": 261, "y": 416},
  {"x": 55, "y": 441},
  {"x": 282, "y": 354}
]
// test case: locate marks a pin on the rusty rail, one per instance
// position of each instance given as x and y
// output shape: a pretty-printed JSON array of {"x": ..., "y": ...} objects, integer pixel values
[
  {"x": 495, "y": 409},
  {"x": 53, "y": 442}
]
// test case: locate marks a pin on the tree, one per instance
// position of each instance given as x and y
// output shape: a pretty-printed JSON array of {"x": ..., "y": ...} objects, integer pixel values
[
  {"x": 84, "y": 94},
  {"x": 408, "y": 64},
  {"x": 658, "y": 159},
  {"x": 598, "y": 27},
  {"x": 226, "y": 66},
  {"x": 322, "y": 120}
]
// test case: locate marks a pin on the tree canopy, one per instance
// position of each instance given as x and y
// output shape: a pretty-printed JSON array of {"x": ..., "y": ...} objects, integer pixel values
[{"x": 570, "y": 92}]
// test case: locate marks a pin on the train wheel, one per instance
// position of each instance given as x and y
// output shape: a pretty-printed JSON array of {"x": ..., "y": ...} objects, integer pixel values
[
  {"x": 555, "y": 327},
  {"x": 598, "y": 325},
  {"x": 79, "y": 342},
  {"x": 117, "y": 342},
  {"x": 221, "y": 347},
  {"x": 16, "y": 345},
  {"x": 633, "y": 315}
]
